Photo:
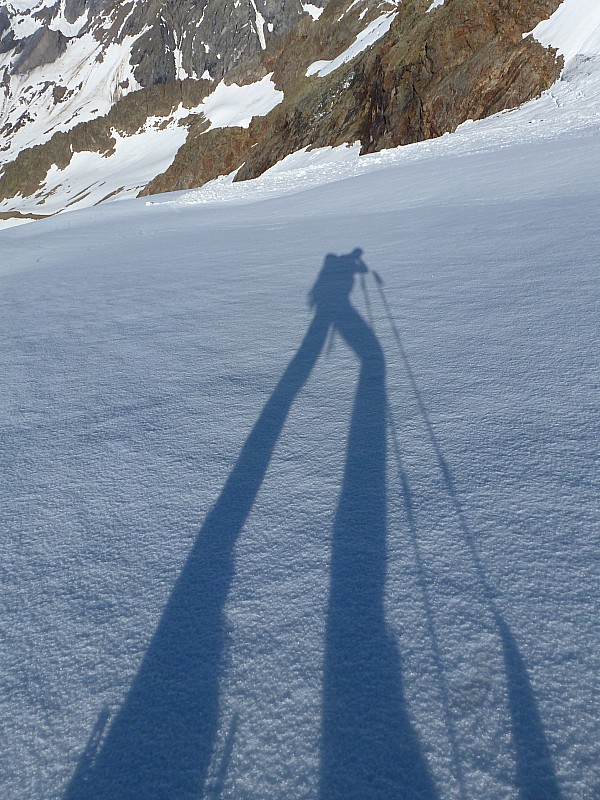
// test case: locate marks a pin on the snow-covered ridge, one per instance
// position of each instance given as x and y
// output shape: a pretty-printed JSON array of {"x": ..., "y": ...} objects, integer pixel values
[
  {"x": 571, "y": 105},
  {"x": 574, "y": 29},
  {"x": 93, "y": 177},
  {"x": 570, "y": 108}
]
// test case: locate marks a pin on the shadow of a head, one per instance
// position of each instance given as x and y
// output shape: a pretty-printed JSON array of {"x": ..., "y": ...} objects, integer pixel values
[{"x": 336, "y": 279}]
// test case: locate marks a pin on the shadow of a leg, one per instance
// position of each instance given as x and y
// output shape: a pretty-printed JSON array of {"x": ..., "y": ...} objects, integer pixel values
[
  {"x": 160, "y": 743},
  {"x": 369, "y": 747},
  {"x": 535, "y": 774}
]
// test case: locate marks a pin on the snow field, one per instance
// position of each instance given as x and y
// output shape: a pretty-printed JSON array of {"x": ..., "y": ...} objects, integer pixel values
[
  {"x": 230, "y": 105},
  {"x": 143, "y": 342}
]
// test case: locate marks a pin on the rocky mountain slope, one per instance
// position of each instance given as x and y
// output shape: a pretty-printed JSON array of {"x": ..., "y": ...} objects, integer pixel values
[
  {"x": 65, "y": 61},
  {"x": 90, "y": 86},
  {"x": 429, "y": 73}
]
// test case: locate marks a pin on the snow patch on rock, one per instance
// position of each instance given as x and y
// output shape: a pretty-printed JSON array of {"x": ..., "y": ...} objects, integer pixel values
[
  {"x": 231, "y": 105},
  {"x": 314, "y": 11},
  {"x": 374, "y": 31}
]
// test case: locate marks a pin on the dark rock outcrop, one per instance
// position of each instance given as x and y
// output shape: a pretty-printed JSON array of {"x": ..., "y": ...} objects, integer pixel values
[
  {"x": 7, "y": 35},
  {"x": 211, "y": 154},
  {"x": 210, "y": 37},
  {"x": 42, "y": 47},
  {"x": 4, "y": 22},
  {"x": 74, "y": 9}
]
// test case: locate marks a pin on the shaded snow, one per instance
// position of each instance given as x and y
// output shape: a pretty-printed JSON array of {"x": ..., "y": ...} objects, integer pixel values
[{"x": 142, "y": 343}]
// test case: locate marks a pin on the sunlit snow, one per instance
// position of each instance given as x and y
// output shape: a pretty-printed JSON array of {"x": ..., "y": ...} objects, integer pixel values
[
  {"x": 374, "y": 31},
  {"x": 574, "y": 29},
  {"x": 230, "y": 105},
  {"x": 314, "y": 11},
  {"x": 257, "y": 549}
]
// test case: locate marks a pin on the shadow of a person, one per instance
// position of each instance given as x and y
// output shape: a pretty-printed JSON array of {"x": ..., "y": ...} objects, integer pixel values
[
  {"x": 160, "y": 743},
  {"x": 369, "y": 747}
]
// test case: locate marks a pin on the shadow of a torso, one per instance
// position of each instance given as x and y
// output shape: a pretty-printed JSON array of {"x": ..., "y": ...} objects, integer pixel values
[{"x": 160, "y": 743}]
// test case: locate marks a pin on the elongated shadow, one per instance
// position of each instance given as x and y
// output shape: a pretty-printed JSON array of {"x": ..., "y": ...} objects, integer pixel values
[
  {"x": 160, "y": 743},
  {"x": 369, "y": 746},
  {"x": 411, "y": 520},
  {"x": 535, "y": 775}
]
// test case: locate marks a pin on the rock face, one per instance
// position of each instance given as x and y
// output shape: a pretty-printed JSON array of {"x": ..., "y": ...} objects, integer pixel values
[
  {"x": 427, "y": 73},
  {"x": 135, "y": 43},
  {"x": 197, "y": 38},
  {"x": 431, "y": 72},
  {"x": 42, "y": 47},
  {"x": 176, "y": 38}
]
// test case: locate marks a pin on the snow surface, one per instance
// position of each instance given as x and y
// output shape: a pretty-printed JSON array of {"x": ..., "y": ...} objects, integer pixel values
[
  {"x": 27, "y": 5},
  {"x": 350, "y": 619},
  {"x": 236, "y": 569},
  {"x": 574, "y": 29},
  {"x": 141, "y": 156},
  {"x": 435, "y": 4},
  {"x": 230, "y": 104},
  {"x": 314, "y": 11}
]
